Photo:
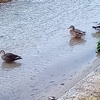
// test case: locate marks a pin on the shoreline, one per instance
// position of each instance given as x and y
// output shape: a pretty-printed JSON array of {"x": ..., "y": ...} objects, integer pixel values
[
  {"x": 53, "y": 61},
  {"x": 62, "y": 90},
  {"x": 88, "y": 87}
]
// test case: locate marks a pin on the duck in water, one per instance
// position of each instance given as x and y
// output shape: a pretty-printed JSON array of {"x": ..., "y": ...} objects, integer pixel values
[
  {"x": 9, "y": 57},
  {"x": 96, "y": 27},
  {"x": 76, "y": 32}
]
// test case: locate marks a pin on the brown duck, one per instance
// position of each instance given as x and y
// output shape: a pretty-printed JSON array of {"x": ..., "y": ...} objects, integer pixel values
[
  {"x": 9, "y": 57},
  {"x": 76, "y": 32}
]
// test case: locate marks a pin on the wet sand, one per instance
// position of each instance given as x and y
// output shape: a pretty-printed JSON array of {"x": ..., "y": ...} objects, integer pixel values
[
  {"x": 86, "y": 89},
  {"x": 66, "y": 88}
]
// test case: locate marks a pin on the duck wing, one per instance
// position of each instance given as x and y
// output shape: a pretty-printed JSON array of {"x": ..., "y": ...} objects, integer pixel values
[
  {"x": 12, "y": 56},
  {"x": 79, "y": 31},
  {"x": 76, "y": 34}
]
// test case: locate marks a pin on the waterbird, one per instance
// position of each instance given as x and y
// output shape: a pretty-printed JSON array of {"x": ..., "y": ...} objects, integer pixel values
[
  {"x": 76, "y": 32},
  {"x": 9, "y": 57},
  {"x": 96, "y": 27}
]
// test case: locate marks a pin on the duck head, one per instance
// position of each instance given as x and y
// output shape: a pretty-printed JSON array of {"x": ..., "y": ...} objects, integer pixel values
[
  {"x": 71, "y": 27},
  {"x": 2, "y": 52}
]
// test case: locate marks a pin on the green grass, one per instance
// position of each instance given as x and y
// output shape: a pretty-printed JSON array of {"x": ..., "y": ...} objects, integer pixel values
[{"x": 98, "y": 46}]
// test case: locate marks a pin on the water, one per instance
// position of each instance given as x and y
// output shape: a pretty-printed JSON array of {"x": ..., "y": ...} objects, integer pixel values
[{"x": 37, "y": 30}]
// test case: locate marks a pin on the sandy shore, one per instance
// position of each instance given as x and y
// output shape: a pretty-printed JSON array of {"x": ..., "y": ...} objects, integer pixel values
[{"x": 88, "y": 88}]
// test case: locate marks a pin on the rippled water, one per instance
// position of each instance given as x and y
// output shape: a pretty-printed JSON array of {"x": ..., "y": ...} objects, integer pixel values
[{"x": 37, "y": 30}]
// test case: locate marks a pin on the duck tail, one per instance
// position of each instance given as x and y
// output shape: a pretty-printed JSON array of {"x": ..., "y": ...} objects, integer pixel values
[{"x": 19, "y": 57}]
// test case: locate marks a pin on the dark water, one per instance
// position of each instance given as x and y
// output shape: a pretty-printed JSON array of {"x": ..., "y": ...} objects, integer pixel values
[{"x": 37, "y": 30}]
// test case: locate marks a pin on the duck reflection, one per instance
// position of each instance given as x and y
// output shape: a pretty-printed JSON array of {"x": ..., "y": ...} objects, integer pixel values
[
  {"x": 76, "y": 41},
  {"x": 10, "y": 65},
  {"x": 96, "y": 35},
  {"x": 98, "y": 54}
]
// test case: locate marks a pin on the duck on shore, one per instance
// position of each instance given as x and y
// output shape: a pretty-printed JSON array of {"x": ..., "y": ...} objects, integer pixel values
[
  {"x": 76, "y": 32},
  {"x": 9, "y": 57}
]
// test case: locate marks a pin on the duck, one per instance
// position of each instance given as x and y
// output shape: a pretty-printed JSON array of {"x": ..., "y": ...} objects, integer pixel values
[
  {"x": 76, "y": 32},
  {"x": 9, "y": 57},
  {"x": 96, "y": 27}
]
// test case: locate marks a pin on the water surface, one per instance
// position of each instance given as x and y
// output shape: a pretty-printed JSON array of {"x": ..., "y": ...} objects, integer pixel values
[{"x": 37, "y": 30}]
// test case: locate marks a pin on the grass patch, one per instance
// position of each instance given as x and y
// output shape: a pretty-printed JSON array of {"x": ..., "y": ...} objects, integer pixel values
[{"x": 98, "y": 46}]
